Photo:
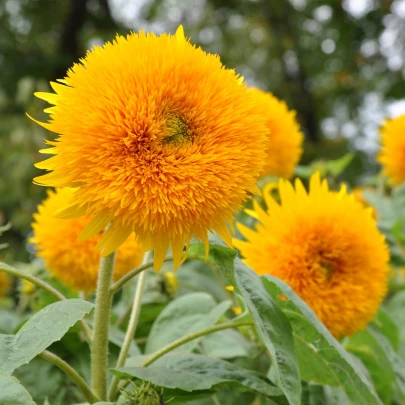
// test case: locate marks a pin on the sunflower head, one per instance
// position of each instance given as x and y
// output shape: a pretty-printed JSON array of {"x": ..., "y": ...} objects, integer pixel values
[
  {"x": 73, "y": 262},
  {"x": 326, "y": 246},
  {"x": 392, "y": 152},
  {"x": 284, "y": 148},
  {"x": 158, "y": 138}
]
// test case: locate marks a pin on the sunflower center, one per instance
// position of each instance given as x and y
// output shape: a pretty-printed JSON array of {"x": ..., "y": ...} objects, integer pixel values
[
  {"x": 326, "y": 268},
  {"x": 175, "y": 130}
]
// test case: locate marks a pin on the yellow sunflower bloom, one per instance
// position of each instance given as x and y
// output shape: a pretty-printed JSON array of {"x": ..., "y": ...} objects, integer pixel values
[
  {"x": 392, "y": 152},
  {"x": 158, "y": 138},
  {"x": 5, "y": 284},
  {"x": 73, "y": 262},
  {"x": 285, "y": 147},
  {"x": 327, "y": 247}
]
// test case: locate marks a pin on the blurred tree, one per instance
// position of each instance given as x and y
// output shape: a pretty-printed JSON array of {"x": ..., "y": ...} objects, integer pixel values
[{"x": 340, "y": 64}]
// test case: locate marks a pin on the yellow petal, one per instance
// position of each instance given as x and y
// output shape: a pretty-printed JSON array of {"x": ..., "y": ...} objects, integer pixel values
[
  {"x": 96, "y": 225},
  {"x": 46, "y": 125},
  {"x": 51, "y": 98},
  {"x": 71, "y": 211},
  {"x": 180, "y": 33},
  {"x": 160, "y": 252},
  {"x": 177, "y": 250},
  {"x": 113, "y": 238},
  {"x": 223, "y": 232}
]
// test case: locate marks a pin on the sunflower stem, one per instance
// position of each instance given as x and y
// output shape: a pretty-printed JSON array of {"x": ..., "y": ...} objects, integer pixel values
[
  {"x": 123, "y": 280},
  {"x": 72, "y": 373},
  {"x": 99, "y": 352},
  {"x": 179, "y": 342},
  {"x": 133, "y": 322},
  {"x": 47, "y": 287}
]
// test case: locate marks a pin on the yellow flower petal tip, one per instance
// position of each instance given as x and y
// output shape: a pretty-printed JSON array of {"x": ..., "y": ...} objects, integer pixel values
[
  {"x": 230, "y": 288},
  {"x": 327, "y": 247},
  {"x": 75, "y": 263},
  {"x": 167, "y": 146},
  {"x": 285, "y": 139},
  {"x": 392, "y": 151},
  {"x": 180, "y": 33}
]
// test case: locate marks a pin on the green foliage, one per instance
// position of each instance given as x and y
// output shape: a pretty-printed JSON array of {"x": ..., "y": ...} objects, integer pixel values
[
  {"x": 39, "y": 332},
  {"x": 12, "y": 392},
  {"x": 273, "y": 328},
  {"x": 322, "y": 359},
  {"x": 190, "y": 373},
  {"x": 187, "y": 314}
]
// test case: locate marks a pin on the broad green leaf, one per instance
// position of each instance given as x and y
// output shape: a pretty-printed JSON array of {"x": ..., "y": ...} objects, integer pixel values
[
  {"x": 12, "y": 392},
  {"x": 272, "y": 326},
  {"x": 218, "y": 255},
  {"x": 184, "y": 315},
  {"x": 395, "y": 309},
  {"x": 396, "y": 362},
  {"x": 322, "y": 359},
  {"x": 40, "y": 331},
  {"x": 192, "y": 372},
  {"x": 387, "y": 326},
  {"x": 366, "y": 347},
  {"x": 226, "y": 344},
  {"x": 41, "y": 379}
]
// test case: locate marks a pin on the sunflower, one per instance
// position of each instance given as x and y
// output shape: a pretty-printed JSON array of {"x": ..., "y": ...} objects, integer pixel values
[
  {"x": 392, "y": 152},
  {"x": 5, "y": 284},
  {"x": 75, "y": 263},
  {"x": 326, "y": 246},
  {"x": 358, "y": 194},
  {"x": 285, "y": 147},
  {"x": 158, "y": 138}
]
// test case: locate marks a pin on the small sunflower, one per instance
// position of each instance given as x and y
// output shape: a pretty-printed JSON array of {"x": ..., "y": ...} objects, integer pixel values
[
  {"x": 75, "y": 263},
  {"x": 158, "y": 138},
  {"x": 326, "y": 246},
  {"x": 285, "y": 147},
  {"x": 5, "y": 284},
  {"x": 392, "y": 152}
]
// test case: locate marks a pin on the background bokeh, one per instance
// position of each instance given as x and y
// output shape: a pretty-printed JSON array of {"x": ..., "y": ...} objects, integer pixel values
[{"x": 340, "y": 64}]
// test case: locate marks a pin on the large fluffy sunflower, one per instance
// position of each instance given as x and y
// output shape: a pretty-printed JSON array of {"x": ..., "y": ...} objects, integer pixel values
[
  {"x": 158, "y": 138},
  {"x": 326, "y": 246},
  {"x": 75, "y": 263},
  {"x": 392, "y": 153},
  {"x": 285, "y": 147}
]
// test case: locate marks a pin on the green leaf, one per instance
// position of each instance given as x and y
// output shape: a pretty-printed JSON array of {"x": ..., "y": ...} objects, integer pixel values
[
  {"x": 365, "y": 346},
  {"x": 322, "y": 359},
  {"x": 272, "y": 326},
  {"x": 226, "y": 344},
  {"x": 192, "y": 372},
  {"x": 218, "y": 255},
  {"x": 187, "y": 314},
  {"x": 40, "y": 331},
  {"x": 387, "y": 326},
  {"x": 41, "y": 379},
  {"x": 397, "y": 363},
  {"x": 12, "y": 392}
]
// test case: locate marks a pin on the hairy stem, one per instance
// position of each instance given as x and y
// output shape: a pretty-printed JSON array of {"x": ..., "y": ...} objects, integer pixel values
[
  {"x": 47, "y": 287},
  {"x": 72, "y": 373},
  {"x": 99, "y": 352},
  {"x": 133, "y": 322},
  {"x": 179, "y": 342},
  {"x": 123, "y": 280}
]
